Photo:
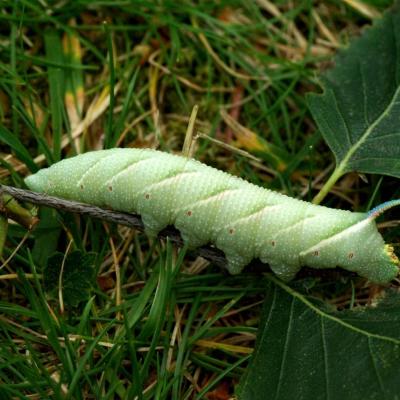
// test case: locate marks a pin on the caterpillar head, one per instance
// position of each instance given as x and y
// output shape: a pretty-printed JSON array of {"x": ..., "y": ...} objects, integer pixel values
[
  {"x": 38, "y": 182},
  {"x": 61, "y": 179}
]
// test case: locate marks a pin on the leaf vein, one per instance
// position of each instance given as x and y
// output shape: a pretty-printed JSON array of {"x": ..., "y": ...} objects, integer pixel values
[
  {"x": 285, "y": 349},
  {"x": 347, "y": 129},
  {"x": 375, "y": 368},
  {"x": 321, "y": 313},
  {"x": 364, "y": 137},
  {"x": 396, "y": 53},
  {"x": 325, "y": 352},
  {"x": 365, "y": 97}
]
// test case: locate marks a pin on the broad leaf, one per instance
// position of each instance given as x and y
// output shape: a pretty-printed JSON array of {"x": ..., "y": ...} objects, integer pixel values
[
  {"x": 359, "y": 111},
  {"x": 305, "y": 352},
  {"x": 75, "y": 273}
]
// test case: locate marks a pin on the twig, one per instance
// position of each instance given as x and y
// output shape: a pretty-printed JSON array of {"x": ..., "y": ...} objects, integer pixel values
[
  {"x": 130, "y": 220},
  {"x": 212, "y": 254}
]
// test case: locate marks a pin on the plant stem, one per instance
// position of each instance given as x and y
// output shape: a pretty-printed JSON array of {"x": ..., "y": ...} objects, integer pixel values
[
  {"x": 336, "y": 175},
  {"x": 3, "y": 232}
]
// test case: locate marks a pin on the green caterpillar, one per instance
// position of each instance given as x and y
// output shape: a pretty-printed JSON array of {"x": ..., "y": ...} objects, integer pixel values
[{"x": 210, "y": 206}]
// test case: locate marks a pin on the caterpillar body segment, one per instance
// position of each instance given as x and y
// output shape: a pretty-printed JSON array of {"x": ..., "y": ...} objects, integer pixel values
[{"x": 210, "y": 206}]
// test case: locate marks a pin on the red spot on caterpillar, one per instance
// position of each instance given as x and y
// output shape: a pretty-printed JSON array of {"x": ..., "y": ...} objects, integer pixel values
[
  {"x": 350, "y": 255},
  {"x": 189, "y": 213}
]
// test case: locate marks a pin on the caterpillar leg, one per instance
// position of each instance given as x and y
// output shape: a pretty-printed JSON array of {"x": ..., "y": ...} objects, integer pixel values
[
  {"x": 192, "y": 241},
  {"x": 285, "y": 272},
  {"x": 236, "y": 263},
  {"x": 152, "y": 226}
]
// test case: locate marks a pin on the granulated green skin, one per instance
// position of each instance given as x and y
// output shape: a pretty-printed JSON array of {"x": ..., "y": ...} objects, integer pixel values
[{"x": 209, "y": 206}]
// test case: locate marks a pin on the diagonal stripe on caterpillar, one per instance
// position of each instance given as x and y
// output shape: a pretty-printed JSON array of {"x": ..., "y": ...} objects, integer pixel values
[{"x": 210, "y": 206}]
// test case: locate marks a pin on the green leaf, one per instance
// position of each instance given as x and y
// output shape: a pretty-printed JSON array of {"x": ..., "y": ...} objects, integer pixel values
[
  {"x": 13, "y": 141},
  {"x": 54, "y": 54},
  {"x": 358, "y": 111},
  {"x": 77, "y": 278},
  {"x": 305, "y": 352},
  {"x": 46, "y": 234}
]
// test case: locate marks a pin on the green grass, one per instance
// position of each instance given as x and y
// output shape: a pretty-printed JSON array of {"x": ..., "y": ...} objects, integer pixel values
[{"x": 181, "y": 328}]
